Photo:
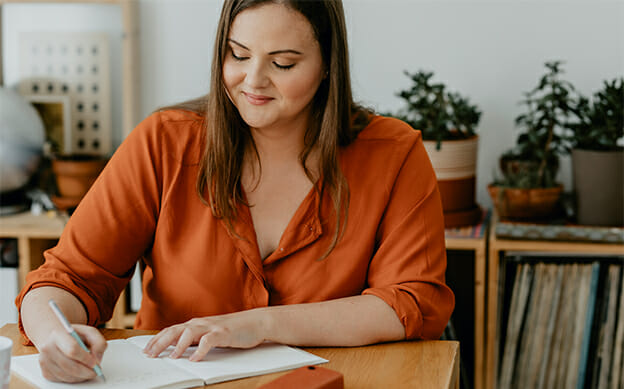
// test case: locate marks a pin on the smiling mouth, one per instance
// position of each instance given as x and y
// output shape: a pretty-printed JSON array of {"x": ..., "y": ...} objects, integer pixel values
[{"x": 257, "y": 99}]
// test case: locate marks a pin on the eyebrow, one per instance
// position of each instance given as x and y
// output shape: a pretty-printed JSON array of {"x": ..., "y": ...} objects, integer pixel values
[{"x": 285, "y": 51}]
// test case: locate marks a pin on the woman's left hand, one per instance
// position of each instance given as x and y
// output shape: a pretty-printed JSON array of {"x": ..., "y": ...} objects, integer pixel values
[{"x": 244, "y": 329}]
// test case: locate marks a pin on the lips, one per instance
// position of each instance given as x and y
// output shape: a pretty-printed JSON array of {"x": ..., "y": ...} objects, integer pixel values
[{"x": 257, "y": 99}]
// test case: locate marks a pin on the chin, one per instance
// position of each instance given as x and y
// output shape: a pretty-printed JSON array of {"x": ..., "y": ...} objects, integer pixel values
[{"x": 256, "y": 122}]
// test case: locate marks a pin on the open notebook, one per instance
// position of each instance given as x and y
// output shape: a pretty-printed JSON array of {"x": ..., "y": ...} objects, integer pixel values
[{"x": 125, "y": 366}]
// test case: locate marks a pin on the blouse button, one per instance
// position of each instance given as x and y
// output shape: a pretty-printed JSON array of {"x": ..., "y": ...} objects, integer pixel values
[{"x": 281, "y": 249}]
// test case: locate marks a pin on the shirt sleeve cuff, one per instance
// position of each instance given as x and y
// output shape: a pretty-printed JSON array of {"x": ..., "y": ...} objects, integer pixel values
[
  {"x": 405, "y": 307},
  {"x": 20, "y": 298}
]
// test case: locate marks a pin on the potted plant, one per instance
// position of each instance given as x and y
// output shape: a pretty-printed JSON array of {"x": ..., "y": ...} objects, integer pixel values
[
  {"x": 528, "y": 188},
  {"x": 447, "y": 122},
  {"x": 598, "y": 159},
  {"x": 74, "y": 173}
]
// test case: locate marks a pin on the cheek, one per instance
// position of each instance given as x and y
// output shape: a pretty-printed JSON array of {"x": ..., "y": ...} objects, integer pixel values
[
  {"x": 301, "y": 87},
  {"x": 232, "y": 76}
]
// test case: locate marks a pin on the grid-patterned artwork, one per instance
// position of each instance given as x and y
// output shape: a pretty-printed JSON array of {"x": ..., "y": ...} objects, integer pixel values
[{"x": 77, "y": 65}]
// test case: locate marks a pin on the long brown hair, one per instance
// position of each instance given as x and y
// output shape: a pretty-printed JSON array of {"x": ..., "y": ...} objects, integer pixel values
[{"x": 335, "y": 119}]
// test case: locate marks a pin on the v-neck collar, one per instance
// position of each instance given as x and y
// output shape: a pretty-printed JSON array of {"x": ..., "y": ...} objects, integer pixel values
[{"x": 303, "y": 228}]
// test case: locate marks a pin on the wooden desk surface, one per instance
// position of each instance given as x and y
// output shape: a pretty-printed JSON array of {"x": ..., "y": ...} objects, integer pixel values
[{"x": 423, "y": 364}]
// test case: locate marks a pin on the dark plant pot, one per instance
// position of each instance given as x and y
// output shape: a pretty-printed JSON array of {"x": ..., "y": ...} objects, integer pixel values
[
  {"x": 75, "y": 174},
  {"x": 525, "y": 204},
  {"x": 599, "y": 187}
]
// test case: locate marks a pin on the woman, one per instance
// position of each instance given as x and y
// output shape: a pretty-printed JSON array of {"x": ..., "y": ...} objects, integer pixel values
[{"x": 273, "y": 209}]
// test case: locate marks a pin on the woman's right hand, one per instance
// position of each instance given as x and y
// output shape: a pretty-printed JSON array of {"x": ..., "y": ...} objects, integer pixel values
[{"x": 63, "y": 360}]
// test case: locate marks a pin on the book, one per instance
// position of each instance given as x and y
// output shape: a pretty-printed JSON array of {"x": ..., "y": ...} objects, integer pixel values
[
  {"x": 560, "y": 336},
  {"x": 470, "y": 232},
  {"x": 588, "y": 319},
  {"x": 514, "y": 326},
  {"x": 617, "y": 379},
  {"x": 569, "y": 324},
  {"x": 555, "y": 232},
  {"x": 523, "y": 374},
  {"x": 576, "y": 332},
  {"x": 125, "y": 366},
  {"x": 550, "y": 321},
  {"x": 607, "y": 329}
]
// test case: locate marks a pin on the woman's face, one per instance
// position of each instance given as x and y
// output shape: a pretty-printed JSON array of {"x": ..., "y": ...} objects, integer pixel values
[{"x": 273, "y": 67}]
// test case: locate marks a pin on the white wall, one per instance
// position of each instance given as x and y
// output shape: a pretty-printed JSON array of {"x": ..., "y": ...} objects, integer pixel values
[
  {"x": 105, "y": 18},
  {"x": 491, "y": 51}
]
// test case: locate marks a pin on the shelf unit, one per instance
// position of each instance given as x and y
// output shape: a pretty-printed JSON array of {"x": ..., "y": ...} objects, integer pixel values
[
  {"x": 497, "y": 248},
  {"x": 35, "y": 234},
  {"x": 478, "y": 246}
]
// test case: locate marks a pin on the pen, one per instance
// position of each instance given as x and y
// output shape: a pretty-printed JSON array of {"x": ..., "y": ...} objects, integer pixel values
[{"x": 73, "y": 333}]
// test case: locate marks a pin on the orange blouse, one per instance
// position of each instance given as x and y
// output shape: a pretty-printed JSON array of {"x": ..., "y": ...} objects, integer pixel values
[{"x": 144, "y": 206}]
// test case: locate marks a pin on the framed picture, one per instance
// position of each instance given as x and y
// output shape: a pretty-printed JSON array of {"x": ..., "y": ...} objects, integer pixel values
[{"x": 55, "y": 114}]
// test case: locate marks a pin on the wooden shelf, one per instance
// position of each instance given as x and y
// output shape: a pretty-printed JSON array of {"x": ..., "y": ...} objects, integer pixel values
[
  {"x": 478, "y": 245},
  {"x": 497, "y": 247},
  {"x": 26, "y": 224},
  {"x": 37, "y": 233}
]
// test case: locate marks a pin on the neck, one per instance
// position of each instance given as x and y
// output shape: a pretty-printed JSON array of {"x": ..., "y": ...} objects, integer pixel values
[
  {"x": 280, "y": 144},
  {"x": 279, "y": 150}
]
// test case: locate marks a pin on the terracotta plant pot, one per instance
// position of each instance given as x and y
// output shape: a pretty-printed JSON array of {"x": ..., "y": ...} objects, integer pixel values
[
  {"x": 75, "y": 174},
  {"x": 455, "y": 166},
  {"x": 525, "y": 204}
]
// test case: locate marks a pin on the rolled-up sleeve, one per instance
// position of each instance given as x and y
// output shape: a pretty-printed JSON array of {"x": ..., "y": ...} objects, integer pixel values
[
  {"x": 110, "y": 230},
  {"x": 408, "y": 268}
]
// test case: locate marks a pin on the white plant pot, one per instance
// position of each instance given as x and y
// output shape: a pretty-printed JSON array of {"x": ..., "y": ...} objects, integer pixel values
[{"x": 455, "y": 166}]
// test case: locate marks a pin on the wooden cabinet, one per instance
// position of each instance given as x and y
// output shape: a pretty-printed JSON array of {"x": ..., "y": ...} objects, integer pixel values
[
  {"x": 34, "y": 235},
  {"x": 478, "y": 246},
  {"x": 497, "y": 249}
]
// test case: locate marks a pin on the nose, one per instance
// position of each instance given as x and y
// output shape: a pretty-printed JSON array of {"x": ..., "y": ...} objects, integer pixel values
[{"x": 256, "y": 76}]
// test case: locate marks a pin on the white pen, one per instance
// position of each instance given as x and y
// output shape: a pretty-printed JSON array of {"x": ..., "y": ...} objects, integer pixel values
[{"x": 74, "y": 334}]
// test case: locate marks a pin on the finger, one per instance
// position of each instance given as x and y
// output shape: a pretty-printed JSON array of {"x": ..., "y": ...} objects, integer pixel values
[
  {"x": 50, "y": 370},
  {"x": 186, "y": 339},
  {"x": 57, "y": 366},
  {"x": 164, "y": 339},
  {"x": 66, "y": 370},
  {"x": 206, "y": 343},
  {"x": 94, "y": 340},
  {"x": 70, "y": 348},
  {"x": 150, "y": 344}
]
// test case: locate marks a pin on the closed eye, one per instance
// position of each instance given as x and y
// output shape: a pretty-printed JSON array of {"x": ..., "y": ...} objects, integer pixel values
[
  {"x": 236, "y": 57},
  {"x": 283, "y": 67}
]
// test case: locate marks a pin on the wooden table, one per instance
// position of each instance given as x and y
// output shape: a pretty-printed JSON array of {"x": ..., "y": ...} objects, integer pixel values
[{"x": 422, "y": 364}]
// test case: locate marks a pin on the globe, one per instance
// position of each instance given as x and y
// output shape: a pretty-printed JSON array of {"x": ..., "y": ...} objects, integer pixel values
[{"x": 22, "y": 136}]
